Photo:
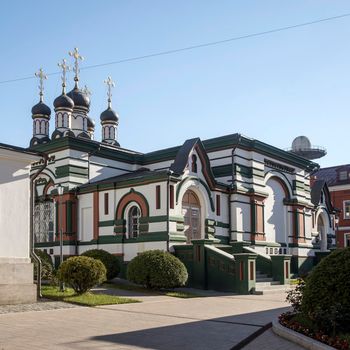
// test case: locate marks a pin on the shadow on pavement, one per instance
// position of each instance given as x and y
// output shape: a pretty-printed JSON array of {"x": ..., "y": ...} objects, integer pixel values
[{"x": 216, "y": 333}]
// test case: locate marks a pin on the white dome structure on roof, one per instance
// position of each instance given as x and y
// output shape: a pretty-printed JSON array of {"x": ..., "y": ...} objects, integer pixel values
[
  {"x": 301, "y": 143},
  {"x": 301, "y": 146}
]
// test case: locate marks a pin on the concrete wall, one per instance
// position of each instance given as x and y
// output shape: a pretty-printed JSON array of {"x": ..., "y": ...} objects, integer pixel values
[{"x": 16, "y": 270}]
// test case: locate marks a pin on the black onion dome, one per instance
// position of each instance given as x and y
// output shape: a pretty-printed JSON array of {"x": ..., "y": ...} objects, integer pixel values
[
  {"x": 90, "y": 123},
  {"x": 41, "y": 109},
  {"x": 63, "y": 101},
  {"x": 109, "y": 115},
  {"x": 79, "y": 97}
]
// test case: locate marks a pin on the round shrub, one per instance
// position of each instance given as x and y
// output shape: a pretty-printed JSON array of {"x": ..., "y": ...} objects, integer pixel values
[
  {"x": 47, "y": 269},
  {"x": 82, "y": 273},
  {"x": 157, "y": 269},
  {"x": 326, "y": 296},
  {"x": 110, "y": 261}
]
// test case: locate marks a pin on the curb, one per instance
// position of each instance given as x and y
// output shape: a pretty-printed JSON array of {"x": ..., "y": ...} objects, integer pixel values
[
  {"x": 252, "y": 337},
  {"x": 298, "y": 338}
]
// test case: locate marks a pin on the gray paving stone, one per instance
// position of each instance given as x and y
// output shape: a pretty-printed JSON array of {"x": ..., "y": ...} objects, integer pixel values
[
  {"x": 39, "y": 306},
  {"x": 159, "y": 322},
  {"x": 270, "y": 341}
]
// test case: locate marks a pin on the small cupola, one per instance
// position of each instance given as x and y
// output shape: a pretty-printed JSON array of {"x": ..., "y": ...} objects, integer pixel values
[
  {"x": 91, "y": 127},
  {"x": 40, "y": 115},
  {"x": 81, "y": 99},
  {"x": 109, "y": 118},
  {"x": 63, "y": 107}
]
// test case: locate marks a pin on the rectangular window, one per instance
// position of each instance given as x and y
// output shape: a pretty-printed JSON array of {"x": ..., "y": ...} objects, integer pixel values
[
  {"x": 347, "y": 240},
  {"x": 346, "y": 208},
  {"x": 106, "y": 203},
  {"x": 343, "y": 175},
  {"x": 218, "y": 205},
  {"x": 301, "y": 217},
  {"x": 158, "y": 197},
  {"x": 251, "y": 270},
  {"x": 287, "y": 269},
  {"x": 171, "y": 195},
  {"x": 259, "y": 218},
  {"x": 198, "y": 249},
  {"x": 241, "y": 271}
]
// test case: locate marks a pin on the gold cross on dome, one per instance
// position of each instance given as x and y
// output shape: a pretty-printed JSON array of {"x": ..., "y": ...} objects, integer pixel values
[
  {"x": 65, "y": 68},
  {"x": 42, "y": 76},
  {"x": 110, "y": 84},
  {"x": 75, "y": 54}
]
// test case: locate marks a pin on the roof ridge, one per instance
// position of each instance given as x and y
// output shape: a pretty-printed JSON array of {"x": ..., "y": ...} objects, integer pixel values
[{"x": 334, "y": 166}]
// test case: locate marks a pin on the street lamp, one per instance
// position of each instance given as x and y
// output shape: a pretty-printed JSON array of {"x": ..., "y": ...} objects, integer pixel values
[{"x": 60, "y": 190}]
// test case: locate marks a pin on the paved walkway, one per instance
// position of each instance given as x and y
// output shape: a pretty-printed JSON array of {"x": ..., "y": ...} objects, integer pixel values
[
  {"x": 269, "y": 340},
  {"x": 163, "y": 323}
]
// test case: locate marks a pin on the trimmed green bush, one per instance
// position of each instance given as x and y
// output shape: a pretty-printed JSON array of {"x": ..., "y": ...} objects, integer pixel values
[
  {"x": 326, "y": 296},
  {"x": 47, "y": 269},
  {"x": 157, "y": 269},
  {"x": 110, "y": 261},
  {"x": 82, "y": 273}
]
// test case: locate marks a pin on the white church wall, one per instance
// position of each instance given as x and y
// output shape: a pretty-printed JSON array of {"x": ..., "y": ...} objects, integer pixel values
[
  {"x": 149, "y": 192},
  {"x": 220, "y": 157},
  {"x": 158, "y": 166},
  {"x": 240, "y": 216},
  {"x": 157, "y": 226},
  {"x": 308, "y": 225},
  {"x": 111, "y": 205},
  {"x": 14, "y": 205},
  {"x": 106, "y": 231},
  {"x": 85, "y": 221},
  {"x": 133, "y": 249},
  {"x": 16, "y": 269}
]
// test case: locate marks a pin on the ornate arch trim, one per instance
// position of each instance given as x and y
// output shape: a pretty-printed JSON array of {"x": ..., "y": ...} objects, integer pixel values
[{"x": 132, "y": 196}]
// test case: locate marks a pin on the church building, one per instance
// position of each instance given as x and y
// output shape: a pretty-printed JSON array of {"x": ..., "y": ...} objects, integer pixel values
[{"x": 232, "y": 197}]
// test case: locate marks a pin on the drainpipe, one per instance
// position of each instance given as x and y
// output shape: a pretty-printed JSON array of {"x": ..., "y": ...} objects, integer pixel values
[
  {"x": 31, "y": 213},
  {"x": 232, "y": 181},
  {"x": 170, "y": 172},
  {"x": 76, "y": 220}
]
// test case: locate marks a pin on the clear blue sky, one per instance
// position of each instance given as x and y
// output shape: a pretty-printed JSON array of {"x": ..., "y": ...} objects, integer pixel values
[{"x": 272, "y": 88}]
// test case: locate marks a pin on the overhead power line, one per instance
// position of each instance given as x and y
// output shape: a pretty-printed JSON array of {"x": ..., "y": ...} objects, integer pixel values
[{"x": 193, "y": 47}]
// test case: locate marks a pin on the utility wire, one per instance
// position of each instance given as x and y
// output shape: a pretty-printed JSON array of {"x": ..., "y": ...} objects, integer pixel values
[{"x": 193, "y": 47}]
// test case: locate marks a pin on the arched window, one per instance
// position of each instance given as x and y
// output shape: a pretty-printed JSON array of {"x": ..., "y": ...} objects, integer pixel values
[
  {"x": 44, "y": 221},
  {"x": 321, "y": 239},
  {"x": 194, "y": 163},
  {"x": 133, "y": 221},
  {"x": 191, "y": 211},
  {"x": 42, "y": 127},
  {"x": 275, "y": 212}
]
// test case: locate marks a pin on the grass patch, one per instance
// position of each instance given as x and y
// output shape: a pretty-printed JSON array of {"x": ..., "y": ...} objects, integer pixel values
[
  {"x": 130, "y": 287},
  {"x": 294, "y": 281},
  {"x": 183, "y": 295},
  {"x": 175, "y": 294},
  {"x": 86, "y": 299}
]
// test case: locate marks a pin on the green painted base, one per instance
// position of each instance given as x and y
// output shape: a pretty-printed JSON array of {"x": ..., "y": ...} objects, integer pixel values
[{"x": 300, "y": 265}]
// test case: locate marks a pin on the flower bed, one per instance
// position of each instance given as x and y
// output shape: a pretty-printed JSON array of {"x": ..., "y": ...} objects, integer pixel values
[{"x": 290, "y": 320}]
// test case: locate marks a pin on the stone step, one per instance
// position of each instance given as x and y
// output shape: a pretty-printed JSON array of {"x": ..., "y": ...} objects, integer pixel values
[
  {"x": 266, "y": 279},
  {"x": 260, "y": 290},
  {"x": 267, "y": 284}
]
